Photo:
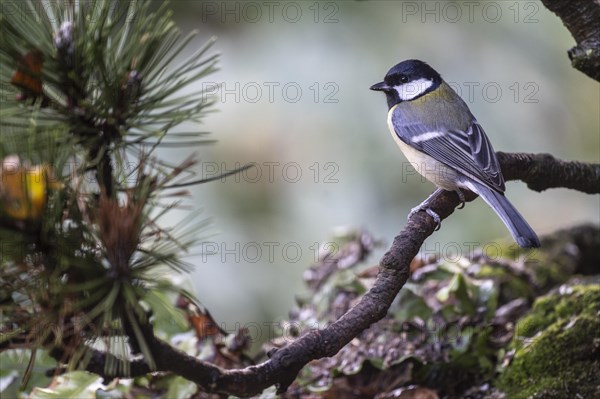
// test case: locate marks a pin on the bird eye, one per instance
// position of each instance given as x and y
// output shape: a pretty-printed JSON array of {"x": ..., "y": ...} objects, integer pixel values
[{"x": 403, "y": 78}]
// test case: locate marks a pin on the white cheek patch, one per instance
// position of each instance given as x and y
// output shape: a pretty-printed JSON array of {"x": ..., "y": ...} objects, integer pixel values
[
  {"x": 410, "y": 90},
  {"x": 426, "y": 136}
]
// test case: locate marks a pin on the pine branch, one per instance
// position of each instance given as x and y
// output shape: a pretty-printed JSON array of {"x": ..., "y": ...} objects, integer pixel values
[{"x": 95, "y": 95}]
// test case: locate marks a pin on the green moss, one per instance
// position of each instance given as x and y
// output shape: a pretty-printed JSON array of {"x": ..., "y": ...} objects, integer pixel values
[
  {"x": 550, "y": 266},
  {"x": 578, "y": 299},
  {"x": 549, "y": 271},
  {"x": 489, "y": 271},
  {"x": 559, "y": 357}
]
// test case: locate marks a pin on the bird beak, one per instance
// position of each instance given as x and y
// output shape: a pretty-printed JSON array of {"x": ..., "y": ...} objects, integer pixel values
[{"x": 381, "y": 86}]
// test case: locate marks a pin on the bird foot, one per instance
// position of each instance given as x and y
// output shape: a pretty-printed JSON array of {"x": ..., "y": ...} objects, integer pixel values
[
  {"x": 436, "y": 218},
  {"x": 461, "y": 197}
]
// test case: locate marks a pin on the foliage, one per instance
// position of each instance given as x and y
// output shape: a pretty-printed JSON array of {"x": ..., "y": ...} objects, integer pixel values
[
  {"x": 450, "y": 329},
  {"x": 87, "y": 256},
  {"x": 556, "y": 350}
]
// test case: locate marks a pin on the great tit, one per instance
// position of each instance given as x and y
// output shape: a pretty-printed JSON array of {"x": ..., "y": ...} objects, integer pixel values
[{"x": 437, "y": 133}]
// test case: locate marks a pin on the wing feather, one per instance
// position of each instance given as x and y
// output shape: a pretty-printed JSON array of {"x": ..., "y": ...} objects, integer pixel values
[
  {"x": 484, "y": 155},
  {"x": 469, "y": 152}
]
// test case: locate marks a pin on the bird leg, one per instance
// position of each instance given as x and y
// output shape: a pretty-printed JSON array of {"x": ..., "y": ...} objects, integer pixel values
[
  {"x": 424, "y": 206},
  {"x": 461, "y": 197}
]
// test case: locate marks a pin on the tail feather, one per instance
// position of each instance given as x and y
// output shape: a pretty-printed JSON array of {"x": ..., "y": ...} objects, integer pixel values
[{"x": 516, "y": 224}]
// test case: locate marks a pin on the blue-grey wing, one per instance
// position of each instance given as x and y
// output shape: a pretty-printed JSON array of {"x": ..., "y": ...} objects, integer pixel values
[
  {"x": 469, "y": 152},
  {"x": 484, "y": 155}
]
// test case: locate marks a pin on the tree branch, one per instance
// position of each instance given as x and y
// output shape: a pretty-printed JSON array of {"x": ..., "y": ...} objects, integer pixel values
[
  {"x": 539, "y": 171},
  {"x": 581, "y": 19},
  {"x": 543, "y": 171}
]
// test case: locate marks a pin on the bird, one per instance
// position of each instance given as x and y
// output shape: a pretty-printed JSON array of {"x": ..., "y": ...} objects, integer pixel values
[{"x": 439, "y": 135}]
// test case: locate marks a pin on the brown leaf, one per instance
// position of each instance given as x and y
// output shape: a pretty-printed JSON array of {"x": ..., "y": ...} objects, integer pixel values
[{"x": 27, "y": 75}]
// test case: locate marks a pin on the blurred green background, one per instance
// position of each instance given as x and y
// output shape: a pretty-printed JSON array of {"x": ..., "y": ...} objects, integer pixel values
[{"x": 294, "y": 100}]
